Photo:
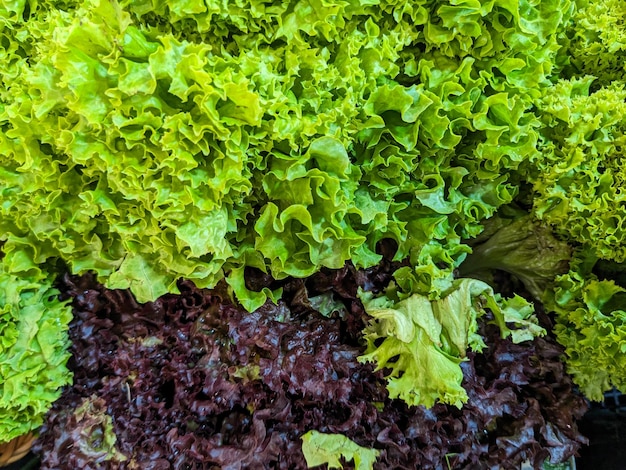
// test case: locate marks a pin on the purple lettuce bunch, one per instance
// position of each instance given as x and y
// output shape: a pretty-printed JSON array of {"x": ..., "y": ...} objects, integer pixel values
[{"x": 193, "y": 381}]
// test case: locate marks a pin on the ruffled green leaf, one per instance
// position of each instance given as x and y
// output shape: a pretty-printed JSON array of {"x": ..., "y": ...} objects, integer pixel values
[
  {"x": 591, "y": 325},
  {"x": 424, "y": 341},
  {"x": 578, "y": 176},
  {"x": 597, "y": 40},
  {"x": 320, "y": 449}
]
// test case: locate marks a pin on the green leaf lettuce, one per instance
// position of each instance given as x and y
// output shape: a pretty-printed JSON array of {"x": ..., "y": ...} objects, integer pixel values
[
  {"x": 319, "y": 449},
  {"x": 33, "y": 351},
  {"x": 591, "y": 325},
  {"x": 424, "y": 341},
  {"x": 153, "y": 141}
]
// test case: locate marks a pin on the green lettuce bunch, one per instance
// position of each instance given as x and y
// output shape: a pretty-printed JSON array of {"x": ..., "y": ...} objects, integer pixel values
[
  {"x": 151, "y": 141},
  {"x": 596, "y": 41},
  {"x": 578, "y": 180},
  {"x": 33, "y": 351},
  {"x": 578, "y": 189},
  {"x": 591, "y": 324}
]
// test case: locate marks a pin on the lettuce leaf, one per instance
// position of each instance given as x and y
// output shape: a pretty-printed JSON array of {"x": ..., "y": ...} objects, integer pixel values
[
  {"x": 522, "y": 247},
  {"x": 319, "y": 449},
  {"x": 578, "y": 177},
  {"x": 194, "y": 380},
  {"x": 422, "y": 342},
  {"x": 596, "y": 41},
  {"x": 89, "y": 428}
]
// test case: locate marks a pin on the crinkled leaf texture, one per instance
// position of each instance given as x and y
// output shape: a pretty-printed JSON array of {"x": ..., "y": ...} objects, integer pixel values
[
  {"x": 33, "y": 351},
  {"x": 91, "y": 429},
  {"x": 153, "y": 141},
  {"x": 193, "y": 381},
  {"x": 591, "y": 325},
  {"x": 319, "y": 449},
  {"x": 422, "y": 342},
  {"x": 596, "y": 40},
  {"x": 578, "y": 179}
]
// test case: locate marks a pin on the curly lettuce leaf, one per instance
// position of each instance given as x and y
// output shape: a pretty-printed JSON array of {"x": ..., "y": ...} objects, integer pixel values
[
  {"x": 596, "y": 40},
  {"x": 92, "y": 432},
  {"x": 319, "y": 449},
  {"x": 422, "y": 342},
  {"x": 154, "y": 141},
  {"x": 277, "y": 373}
]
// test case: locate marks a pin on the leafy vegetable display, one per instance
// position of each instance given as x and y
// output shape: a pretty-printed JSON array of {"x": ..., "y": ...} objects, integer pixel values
[
  {"x": 192, "y": 381},
  {"x": 578, "y": 184},
  {"x": 258, "y": 154},
  {"x": 580, "y": 174},
  {"x": 152, "y": 141}
]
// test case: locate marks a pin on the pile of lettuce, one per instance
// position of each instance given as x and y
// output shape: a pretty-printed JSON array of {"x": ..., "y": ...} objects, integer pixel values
[
  {"x": 249, "y": 143},
  {"x": 193, "y": 381},
  {"x": 153, "y": 141}
]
